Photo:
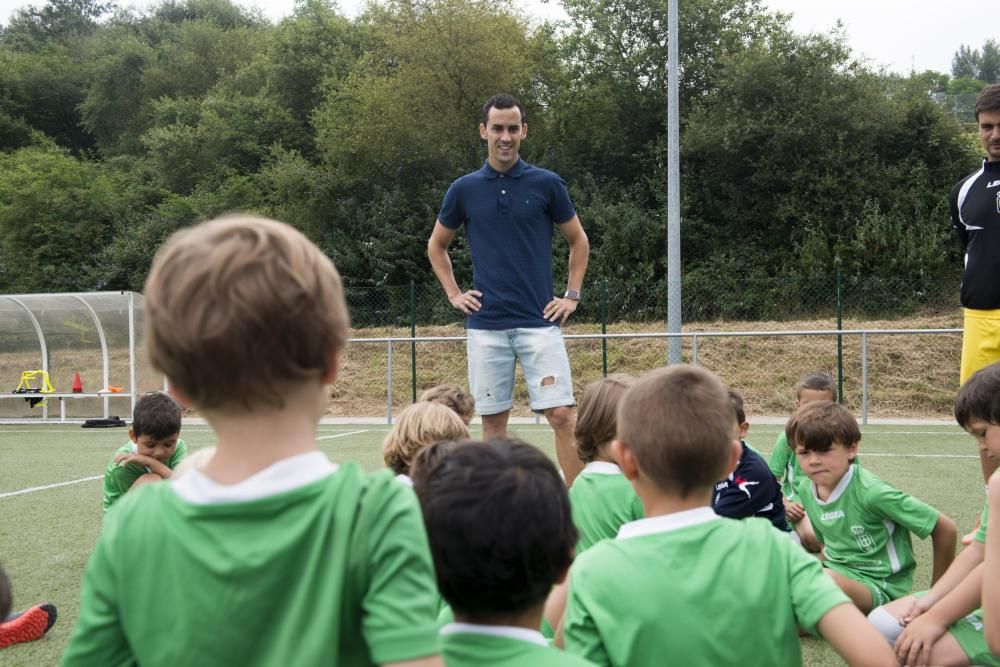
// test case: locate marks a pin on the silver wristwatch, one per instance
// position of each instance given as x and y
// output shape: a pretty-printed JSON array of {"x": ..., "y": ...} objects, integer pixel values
[{"x": 572, "y": 294}]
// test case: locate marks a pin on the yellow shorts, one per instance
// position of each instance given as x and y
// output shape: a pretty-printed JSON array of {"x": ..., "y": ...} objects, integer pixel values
[{"x": 980, "y": 340}]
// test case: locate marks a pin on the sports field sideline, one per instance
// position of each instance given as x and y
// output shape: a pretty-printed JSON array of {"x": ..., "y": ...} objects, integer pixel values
[{"x": 50, "y": 499}]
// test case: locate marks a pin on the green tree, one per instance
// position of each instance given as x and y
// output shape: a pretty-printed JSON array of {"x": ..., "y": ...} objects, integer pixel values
[
  {"x": 965, "y": 63},
  {"x": 56, "y": 214}
]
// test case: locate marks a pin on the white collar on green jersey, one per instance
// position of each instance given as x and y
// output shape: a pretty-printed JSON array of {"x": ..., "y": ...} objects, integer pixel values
[
  {"x": 838, "y": 490},
  {"x": 601, "y": 468},
  {"x": 285, "y": 475},
  {"x": 509, "y": 631},
  {"x": 667, "y": 522},
  {"x": 404, "y": 480}
]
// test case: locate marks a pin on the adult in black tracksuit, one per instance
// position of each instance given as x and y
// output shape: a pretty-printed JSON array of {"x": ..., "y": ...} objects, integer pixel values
[{"x": 975, "y": 215}]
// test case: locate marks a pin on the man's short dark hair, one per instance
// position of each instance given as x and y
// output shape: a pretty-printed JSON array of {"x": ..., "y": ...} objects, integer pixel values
[
  {"x": 989, "y": 99},
  {"x": 503, "y": 101},
  {"x": 499, "y": 524},
  {"x": 156, "y": 415},
  {"x": 979, "y": 397}
]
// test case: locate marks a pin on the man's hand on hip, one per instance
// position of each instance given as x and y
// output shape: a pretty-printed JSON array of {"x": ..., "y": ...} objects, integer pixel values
[
  {"x": 467, "y": 302},
  {"x": 560, "y": 309}
]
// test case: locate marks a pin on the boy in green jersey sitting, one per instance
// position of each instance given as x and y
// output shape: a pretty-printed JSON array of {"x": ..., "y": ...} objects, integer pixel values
[
  {"x": 945, "y": 625},
  {"x": 500, "y": 530},
  {"x": 661, "y": 589},
  {"x": 270, "y": 554},
  {"x": 602, "y": 498},
  {"x": 863, "y": 523},
  {"x": 785, "y": 465},
  {"x": 154, "y": 451}
]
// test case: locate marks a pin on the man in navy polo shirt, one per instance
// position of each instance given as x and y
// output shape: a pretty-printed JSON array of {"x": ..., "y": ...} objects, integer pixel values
[{"x": 509, "y": 208}]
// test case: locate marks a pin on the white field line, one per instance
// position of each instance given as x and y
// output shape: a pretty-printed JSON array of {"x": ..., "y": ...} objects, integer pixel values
[
  {"x": 49, "y": 486},
  {"x": 342, "y": 435},
  {"x": 89, "y": 479}
]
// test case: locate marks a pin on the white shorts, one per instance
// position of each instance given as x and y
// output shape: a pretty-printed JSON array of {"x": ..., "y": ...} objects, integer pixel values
[{"x": 542, "y": 353}]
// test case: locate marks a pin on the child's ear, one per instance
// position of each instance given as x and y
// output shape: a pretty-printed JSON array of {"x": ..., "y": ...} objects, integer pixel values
[
  {"x": 626, "y": 459},
  {"x": 131, "y": 435},
  {"x": 852, "y": 452},
  {"x": 735, "y": 450},
  {"x": 744, "y": 429}
]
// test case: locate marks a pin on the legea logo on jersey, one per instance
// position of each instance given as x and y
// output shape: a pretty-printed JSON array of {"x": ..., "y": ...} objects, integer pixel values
[
  {"x": 830, "y": 516},
  {"x": 864, "y": 539}
]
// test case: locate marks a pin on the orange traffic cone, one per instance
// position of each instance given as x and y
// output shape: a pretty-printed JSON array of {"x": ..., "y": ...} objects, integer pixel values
[{"x": 77, "y": 383}]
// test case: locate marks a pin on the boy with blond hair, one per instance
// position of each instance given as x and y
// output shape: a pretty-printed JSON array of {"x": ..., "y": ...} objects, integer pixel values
[
  {"x": 661, "y": 587},
  {"x": 454, "y": 397},
  {"x": 418, "y": 426},
  {"x": 271, "y": 554},
  {"x": 945, "y": 625},
  {"x": 863, "y": 523}
]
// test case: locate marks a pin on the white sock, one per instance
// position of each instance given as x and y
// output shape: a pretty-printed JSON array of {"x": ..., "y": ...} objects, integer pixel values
[{"x": 887, "y": 624}]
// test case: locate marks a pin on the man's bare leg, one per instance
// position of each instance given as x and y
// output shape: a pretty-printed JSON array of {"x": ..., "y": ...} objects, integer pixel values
[
  {"x": 563, "y": 422},
  {"x": 495, "y": 426}
]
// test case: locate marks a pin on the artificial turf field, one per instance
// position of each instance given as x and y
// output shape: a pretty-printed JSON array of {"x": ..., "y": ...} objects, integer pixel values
[{"x": 50, "y": 501}]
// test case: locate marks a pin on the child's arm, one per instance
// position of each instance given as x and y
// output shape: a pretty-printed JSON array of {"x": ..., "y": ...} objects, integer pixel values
[
  {"x": 966, "y": 561},
  {"x": 944, "y": 537},
  {"x": 913, "y": 647},
  {"x": 97, "y": 637},
  {"x": 154, "y": 466},
  {"x": 991, "y": 581},
  {"x": 578, "y": 631},
  {"x": 433, "y": 661},
  {"x": 854, "y": 638}
]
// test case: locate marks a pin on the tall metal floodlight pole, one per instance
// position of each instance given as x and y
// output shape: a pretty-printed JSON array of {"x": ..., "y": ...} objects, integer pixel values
[{"x": 673, "y": 191}]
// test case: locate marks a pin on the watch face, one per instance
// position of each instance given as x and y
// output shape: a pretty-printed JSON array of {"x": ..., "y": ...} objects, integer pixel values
[{"x": 572, "y": 294}]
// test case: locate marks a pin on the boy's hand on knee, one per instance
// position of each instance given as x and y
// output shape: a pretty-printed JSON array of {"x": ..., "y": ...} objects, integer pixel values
[
  {"x": 918, "y": 638},
  {"x": 794, "y": 511},
  {"x": 917, "y": 607}
]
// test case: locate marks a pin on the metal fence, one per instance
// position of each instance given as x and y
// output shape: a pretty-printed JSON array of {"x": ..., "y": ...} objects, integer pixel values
[
  {"x": 881, "y": 373},
  {"x": 760, "y": 299}
]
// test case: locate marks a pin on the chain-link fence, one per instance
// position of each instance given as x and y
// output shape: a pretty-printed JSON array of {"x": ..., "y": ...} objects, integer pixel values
[
  {"x": 798, "y": 302},
  {"x": 761, "y": 338}
]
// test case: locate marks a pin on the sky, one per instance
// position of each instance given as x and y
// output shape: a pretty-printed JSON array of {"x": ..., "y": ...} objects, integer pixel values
[{"x": 899, "y": 35}]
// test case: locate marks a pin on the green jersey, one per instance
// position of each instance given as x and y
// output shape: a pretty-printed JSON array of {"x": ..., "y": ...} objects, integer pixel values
[
  {"x": 603, "y": 500},
  {"x": 664, "y": 586},
  {"x": 119, "y": 477},
  {"x": 865, "y": 528},
  {"x": 784, "y": 465},
  {"x": 304, "y": 563},
  {"x": 467, "y": 645}
]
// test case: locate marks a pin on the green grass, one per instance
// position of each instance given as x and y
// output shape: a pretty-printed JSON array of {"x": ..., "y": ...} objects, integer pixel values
[{"x": 46, "y": 535}]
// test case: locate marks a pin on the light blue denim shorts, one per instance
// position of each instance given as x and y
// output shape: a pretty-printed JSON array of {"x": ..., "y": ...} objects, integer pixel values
[{"x": 542, "y": 353}]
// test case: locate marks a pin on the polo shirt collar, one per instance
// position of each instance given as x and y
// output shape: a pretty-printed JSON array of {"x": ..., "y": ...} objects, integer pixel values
[
  {"x": 514, "y": 172},
  {"x": 508, "y": 631},
  {"x": 285, "y": 475},
  {"x": 667, "y": 522},
  {"x": 601, "y": 468},
  {"x": 838, "y": 490}
]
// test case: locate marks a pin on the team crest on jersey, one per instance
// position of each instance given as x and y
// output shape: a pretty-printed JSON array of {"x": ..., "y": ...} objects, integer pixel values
[{"x": 864, "y": 539}]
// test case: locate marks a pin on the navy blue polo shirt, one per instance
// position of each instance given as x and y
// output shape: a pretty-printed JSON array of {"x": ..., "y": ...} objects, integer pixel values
[{"x": 509, "y": 219}]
